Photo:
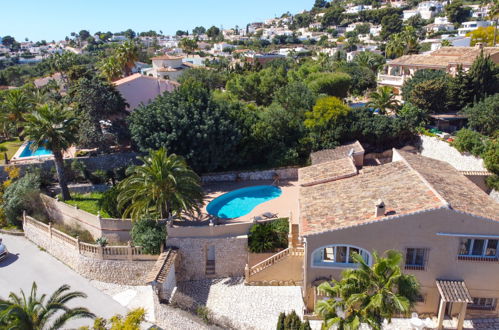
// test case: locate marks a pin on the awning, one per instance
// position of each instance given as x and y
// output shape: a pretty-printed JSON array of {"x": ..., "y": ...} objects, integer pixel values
[{"x": 454, "y": 291}]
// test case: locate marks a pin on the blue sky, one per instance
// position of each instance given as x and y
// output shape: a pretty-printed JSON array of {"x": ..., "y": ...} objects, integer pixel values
[{"x": 55, "y": 19}]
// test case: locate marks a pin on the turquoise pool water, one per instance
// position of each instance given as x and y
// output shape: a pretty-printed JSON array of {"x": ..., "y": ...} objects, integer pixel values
[
  {"x": 240, "y": 202},
  {"x": 27, "y": 152}
]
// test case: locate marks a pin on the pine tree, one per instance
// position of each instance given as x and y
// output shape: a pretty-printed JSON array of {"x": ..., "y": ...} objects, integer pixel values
[{"x": 483, "y": 76}]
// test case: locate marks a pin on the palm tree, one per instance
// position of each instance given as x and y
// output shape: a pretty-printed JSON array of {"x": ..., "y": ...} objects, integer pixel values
[
  {"x": 16, "y": 104},
  {"x": 127, "y": 54},
  {"x": 383, "y": 99},
  {"x": 370, "y": 60},
  {"x": 368, "y": 294},
  {"x": 395, "y": 47},
  {"x": 111, "y": 69},
  {"x": 54, "y": 128},
  {"x": 162, "y": 186},
  {"x": 37, "y": 313}
]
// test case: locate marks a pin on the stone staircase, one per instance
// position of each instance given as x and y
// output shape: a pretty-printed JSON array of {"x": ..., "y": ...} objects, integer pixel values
[
  {"x": 282, "y": 268},
  {"x": 210, "y": 268}
]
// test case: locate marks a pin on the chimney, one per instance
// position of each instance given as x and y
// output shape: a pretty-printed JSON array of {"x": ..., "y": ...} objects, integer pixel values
[{"x": 380, "y": 208}]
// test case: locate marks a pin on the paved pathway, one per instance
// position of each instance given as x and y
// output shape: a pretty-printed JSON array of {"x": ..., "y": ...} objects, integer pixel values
[
  {"x": 27, "y": 263},
  {"x": 245, "y": 307}
]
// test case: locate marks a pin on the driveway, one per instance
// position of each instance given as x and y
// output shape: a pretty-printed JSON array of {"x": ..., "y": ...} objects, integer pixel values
[{"x": 26, "y": 263}]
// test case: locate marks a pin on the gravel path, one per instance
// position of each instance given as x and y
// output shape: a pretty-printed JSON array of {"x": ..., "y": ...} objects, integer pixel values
[{"x": 247, "y": 307}]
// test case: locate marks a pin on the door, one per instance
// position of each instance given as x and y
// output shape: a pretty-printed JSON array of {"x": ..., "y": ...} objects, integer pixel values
[{"x": 211, "y": 253}]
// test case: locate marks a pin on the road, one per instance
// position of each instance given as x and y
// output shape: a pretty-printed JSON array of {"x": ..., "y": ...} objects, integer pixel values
[{"x": 27, "y": 263}]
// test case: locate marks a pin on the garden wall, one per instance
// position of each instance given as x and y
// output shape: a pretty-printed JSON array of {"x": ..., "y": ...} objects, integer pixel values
[
  {"x": 100, "y": 162},
  {"x": 231, "y": 256},
  {"x": 434, "y": 148},
  {"x": 116, "y": 230},
  {"x": 124, "y": 265},
  {"x": 284, "y": 173}
]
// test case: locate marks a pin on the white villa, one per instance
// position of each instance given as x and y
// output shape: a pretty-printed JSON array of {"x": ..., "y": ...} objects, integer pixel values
[
  {"x": 166, "y": 67},
  {"x": 446, "y": 58},
  {"x": 471, "y": 26}
]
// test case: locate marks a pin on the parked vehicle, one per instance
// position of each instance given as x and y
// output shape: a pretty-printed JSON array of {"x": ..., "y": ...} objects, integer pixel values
[{"x": 3, "y": 250}]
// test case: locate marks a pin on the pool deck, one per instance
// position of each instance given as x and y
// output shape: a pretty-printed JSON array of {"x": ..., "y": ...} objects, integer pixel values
[
  {"x": 17, "y": 159},
  {"x": 282, "y": 205}
]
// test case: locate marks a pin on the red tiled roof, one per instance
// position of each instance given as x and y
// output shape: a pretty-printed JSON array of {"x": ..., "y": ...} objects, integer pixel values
[{"x": 412, "y": 184}]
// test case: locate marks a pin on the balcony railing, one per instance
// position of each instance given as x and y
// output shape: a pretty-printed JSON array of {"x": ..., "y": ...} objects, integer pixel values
[
  {"x": 478, "y": 258},
  {"x": 414, "y": 267},
  {"x": 390, "y": 80}
]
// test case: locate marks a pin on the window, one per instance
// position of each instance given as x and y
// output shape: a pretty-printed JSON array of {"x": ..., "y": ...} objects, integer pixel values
[
  {"x": 478, "y": 248},
  {"x": 415, "y": 258},
  {"x": 338, "y": 255},
  {"x": 487, "y": 304}
]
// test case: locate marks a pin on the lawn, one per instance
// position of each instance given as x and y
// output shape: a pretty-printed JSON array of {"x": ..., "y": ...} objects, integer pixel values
[
  {"x": 12, "y": 145},
  {"x": 88, "y": 202}
]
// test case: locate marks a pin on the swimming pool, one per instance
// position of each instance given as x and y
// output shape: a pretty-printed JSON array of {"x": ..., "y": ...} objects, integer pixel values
[
  {"x": 27, "y": 152},
  {"x": 240, "y": 202}
]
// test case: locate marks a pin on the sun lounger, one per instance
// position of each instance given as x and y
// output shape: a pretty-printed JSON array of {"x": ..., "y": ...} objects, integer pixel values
[{"x": 269, "y": 215}]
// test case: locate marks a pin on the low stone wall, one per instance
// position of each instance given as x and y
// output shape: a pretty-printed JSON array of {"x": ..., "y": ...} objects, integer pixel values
[
  {"x": 81, "y": 188},
  {"x": 437, "y": 149},
  {"x": 125, "y": 272},
  {"x": 231, "y": 255},
  {"x": 284, "y": 173},
  {"x": 116, "y": 230},
  {"x": 223, "y": 230}
]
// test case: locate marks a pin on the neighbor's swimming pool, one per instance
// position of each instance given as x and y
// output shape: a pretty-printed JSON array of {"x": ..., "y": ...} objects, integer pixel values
[
  {"x": 240, "y": 202},
  {"x": 27, "y": 152}
]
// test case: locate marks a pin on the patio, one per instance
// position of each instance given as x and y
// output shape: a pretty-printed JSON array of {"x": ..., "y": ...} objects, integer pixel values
[{"x": 282, "y": 206}]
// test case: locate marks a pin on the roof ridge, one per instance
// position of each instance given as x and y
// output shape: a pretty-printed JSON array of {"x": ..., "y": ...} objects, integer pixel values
[{"x": 423, "y": 179}]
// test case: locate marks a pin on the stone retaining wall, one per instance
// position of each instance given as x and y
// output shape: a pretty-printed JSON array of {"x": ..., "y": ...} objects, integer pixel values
[
  {"x": 284, "y": 173},
  {"x": 113, "y": 271},
  {"x": 434, "y": 148},
  {"x": 116, "y": 230},
  {"x": 231, "y": 255}
]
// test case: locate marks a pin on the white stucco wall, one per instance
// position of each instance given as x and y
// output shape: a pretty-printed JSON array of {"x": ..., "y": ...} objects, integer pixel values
[{"x": 437, "y": 149}]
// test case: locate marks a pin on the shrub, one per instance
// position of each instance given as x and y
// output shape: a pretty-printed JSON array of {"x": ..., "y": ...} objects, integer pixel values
[
  {"x": 469, "y": 141},
  {"x": 109, "y": 203},
  {"x": 22, "y": 194},
  {"x": 79, "y": 170},
  {"x": 76, "y": 231},
  {"x": 148, "y": 234},
  {"x": 269, "y": 236},
  {"x": 493, "y": 182},
  {"x": 491, "y": 156},
  {"x": 98, "y": 177},
  {"x": 291, "y": 321},
  {"x": 102, "y": 241},
  {"x": 204, "y": 313},
  {"x": 484, "y": 116}
]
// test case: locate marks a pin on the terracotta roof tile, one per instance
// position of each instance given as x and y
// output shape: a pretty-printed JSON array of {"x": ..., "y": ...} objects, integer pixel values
[
  {"x": 342, "y": 151},
  {"x": 412, "y": 184},
  {"x": 351, "y": 201},
  {"x": 326, "y": 172},
  {"x": 444, "y": 57},
  {"x": 458, "y": 191}
]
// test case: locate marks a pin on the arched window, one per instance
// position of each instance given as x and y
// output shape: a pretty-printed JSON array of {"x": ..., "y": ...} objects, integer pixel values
[{"x": 338, "y": 255}]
